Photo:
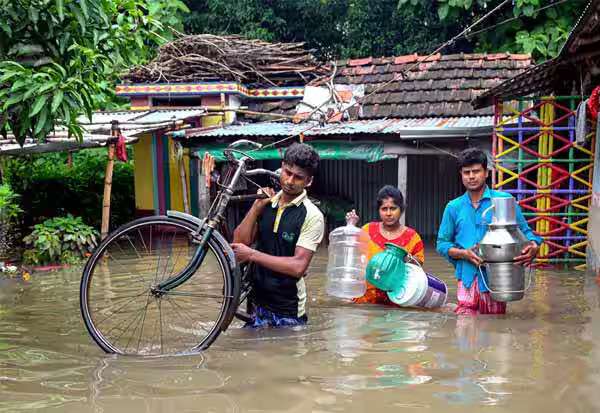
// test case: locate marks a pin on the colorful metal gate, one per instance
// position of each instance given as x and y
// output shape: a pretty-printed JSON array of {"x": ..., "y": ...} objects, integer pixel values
[{"x": 538, "y": 160}]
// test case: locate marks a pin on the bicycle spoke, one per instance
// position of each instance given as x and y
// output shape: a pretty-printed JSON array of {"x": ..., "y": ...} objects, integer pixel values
[
  {"x": 171, "y": 292},
  {"x": 174, "y": 304},
  {"x": 121, "y": 307},
  {"x": 143, "y": 321}
]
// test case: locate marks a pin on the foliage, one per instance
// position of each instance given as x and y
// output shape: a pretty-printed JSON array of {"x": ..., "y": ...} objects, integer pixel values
[
  {"x": 9, "y": 206},
  {"x": 60, "y": 240},
  {"x": 51, "y": 188},
  {"x": 59, "y": 58},
  {"x": 336, "y": 28},
  {"x": 10, "y": 212},
  {"x": 539, "y": 32}
]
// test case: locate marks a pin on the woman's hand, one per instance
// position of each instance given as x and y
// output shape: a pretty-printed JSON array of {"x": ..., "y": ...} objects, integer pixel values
[{"x": 352, "y": 218}]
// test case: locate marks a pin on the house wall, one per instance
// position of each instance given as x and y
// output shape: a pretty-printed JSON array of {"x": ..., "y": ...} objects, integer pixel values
[
  {"x": 593, "y": 248},
  {"x": 432, "y": 182},
  {"x": 143, "y": 176},
  {"x": 356, "y": 181}
]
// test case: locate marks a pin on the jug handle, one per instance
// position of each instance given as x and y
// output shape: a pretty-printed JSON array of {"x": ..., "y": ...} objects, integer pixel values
[
  {"x": 507, "y": 292},
  {"x": 414, "y": 259},
  {"x": 487, "y": 210}
]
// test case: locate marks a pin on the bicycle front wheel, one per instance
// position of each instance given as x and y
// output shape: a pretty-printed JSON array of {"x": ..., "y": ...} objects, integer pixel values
[{"x": 125, "y": 315}]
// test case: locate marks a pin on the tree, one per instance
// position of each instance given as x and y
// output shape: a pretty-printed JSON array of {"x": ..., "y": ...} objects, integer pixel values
[
  {"x": 59, "y": 58},
  {"x": 335, "y": 28},
  {"x": 536, "y": 27}
]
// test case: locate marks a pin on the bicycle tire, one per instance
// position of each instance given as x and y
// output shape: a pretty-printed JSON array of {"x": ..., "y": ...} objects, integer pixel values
[{"x": 112, "y": 282}]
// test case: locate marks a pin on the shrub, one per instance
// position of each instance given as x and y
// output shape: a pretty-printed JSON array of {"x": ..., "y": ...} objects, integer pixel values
[
  {"x": 76, "y": 190},
  {"x": 59, "y": 240},
  {"x": 10, "y": 213}
]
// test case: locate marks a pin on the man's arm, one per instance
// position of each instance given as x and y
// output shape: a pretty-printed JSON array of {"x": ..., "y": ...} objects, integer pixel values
[
  {"x": 445, "y": 238},
  {"x": 530, "y": 251},
  {"x": 245, "y": 233},
  {"x": 445, "y": 243},
  {"x": 294, "y": 266}
]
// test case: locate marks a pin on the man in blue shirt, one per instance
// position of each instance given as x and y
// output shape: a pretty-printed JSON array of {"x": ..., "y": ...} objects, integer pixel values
[{"x": 463, "y": 226}]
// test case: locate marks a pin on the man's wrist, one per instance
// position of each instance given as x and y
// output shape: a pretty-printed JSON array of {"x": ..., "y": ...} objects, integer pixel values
[{"x": 252, "y": 255}]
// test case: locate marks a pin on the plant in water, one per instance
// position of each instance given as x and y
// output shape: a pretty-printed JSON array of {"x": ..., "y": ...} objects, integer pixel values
[
  {"x": 10, "y": 213},
  {"x": 59, "y": 240}
]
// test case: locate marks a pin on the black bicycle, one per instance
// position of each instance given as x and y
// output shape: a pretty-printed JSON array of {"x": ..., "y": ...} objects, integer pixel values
[{"x": 168, "y": 284}]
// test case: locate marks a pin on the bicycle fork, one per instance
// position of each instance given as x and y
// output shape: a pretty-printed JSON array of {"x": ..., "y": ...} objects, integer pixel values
[{"x": 204, "y": 233}]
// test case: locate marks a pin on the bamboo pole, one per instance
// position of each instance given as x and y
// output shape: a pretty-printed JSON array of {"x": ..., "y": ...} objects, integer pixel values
[{"x": 108, "y": 181}]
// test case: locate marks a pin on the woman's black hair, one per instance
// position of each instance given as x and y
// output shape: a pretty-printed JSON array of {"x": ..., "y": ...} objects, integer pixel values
[{"x": 389, "y": 191}]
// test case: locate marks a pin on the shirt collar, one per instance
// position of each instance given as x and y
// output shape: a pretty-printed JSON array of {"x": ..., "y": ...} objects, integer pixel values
[
  {"x": 296, "y": 201},
  {"x": 487, "y": 194}
]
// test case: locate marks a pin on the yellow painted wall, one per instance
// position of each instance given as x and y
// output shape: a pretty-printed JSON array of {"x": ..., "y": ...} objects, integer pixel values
[
  {"x": 142, "y": 177},
  {"x": 175, "y": 179}
]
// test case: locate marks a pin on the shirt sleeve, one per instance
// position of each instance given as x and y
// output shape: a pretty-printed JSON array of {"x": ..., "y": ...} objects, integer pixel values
[
  {"x": 445, "y": 238},
  {"x": 312, "y": 231},
  {"x": 525, "y": 228}
]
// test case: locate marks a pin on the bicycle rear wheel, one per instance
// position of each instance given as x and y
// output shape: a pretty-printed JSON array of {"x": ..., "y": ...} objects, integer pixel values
[{"x": 122, "y": 313}]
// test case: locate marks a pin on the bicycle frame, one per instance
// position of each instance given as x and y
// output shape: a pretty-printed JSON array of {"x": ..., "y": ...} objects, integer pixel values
[{"x": 215, "y": 216}]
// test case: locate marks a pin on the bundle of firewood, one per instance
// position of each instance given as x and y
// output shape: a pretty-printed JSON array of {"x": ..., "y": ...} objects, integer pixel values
[{"x": 206, "y": 57}]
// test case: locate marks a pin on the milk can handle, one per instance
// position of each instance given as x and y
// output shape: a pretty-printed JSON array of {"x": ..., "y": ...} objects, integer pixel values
[
  {"x": 506, "y": 292},
  {"x": 487, "y": 210}
]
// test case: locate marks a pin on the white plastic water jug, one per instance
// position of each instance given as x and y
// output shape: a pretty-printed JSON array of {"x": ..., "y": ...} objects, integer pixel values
[{"x": 347, "y": 262}]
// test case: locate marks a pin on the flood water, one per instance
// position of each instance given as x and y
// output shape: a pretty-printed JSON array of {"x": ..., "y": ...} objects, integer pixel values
[{"x": 543, "y": 356}]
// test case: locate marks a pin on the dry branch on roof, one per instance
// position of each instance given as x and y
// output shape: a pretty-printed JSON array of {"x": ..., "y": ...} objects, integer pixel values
[{"x": 205, "y": 57}]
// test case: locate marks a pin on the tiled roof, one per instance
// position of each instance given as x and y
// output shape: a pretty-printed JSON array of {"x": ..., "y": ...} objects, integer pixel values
[{"x": 442, "y": 85}]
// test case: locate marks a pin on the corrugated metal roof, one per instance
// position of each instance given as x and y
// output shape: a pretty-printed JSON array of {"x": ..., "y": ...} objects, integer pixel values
[
  {"x": 406, "y": 128},
  {"x": 98, "y": 131}
]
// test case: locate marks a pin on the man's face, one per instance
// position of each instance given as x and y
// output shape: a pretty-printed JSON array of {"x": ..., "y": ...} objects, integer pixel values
[
  {"x": 473, "y": 176},
  {"x": 294, "y": 179}
]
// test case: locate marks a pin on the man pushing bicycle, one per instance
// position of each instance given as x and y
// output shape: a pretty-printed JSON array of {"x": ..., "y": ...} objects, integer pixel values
[{"x": 286, "y": 229}]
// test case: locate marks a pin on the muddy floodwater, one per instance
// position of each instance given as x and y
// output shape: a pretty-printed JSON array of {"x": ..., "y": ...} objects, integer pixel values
[{"x": 543, "y": 356}]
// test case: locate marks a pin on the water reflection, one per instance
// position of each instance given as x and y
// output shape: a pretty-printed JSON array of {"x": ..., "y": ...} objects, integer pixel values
[{"x": 543, "y": 355}]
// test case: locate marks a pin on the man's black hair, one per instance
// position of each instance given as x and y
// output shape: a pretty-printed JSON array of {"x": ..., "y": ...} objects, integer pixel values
[
  {"x": 472, "y": 156},
  {"x": 303, "y": 156},
  {"x": 389, "y": 191}
]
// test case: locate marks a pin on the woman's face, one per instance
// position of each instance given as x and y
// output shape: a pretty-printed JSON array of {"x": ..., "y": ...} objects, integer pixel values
[{"x": 389, "y": 212}]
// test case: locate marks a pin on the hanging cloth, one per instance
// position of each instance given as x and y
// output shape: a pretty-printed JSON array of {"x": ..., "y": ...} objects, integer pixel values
[
  {"x": 121, "y": 148},
  {"x": 593, "y": 103},
  {"x": 581, "y": 122}
]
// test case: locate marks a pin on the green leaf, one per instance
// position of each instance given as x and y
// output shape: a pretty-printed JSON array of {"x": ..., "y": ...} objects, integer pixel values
[
  {"x": 60, "y": 8},
  {"x": 41, "y": 122},
  {"x": 56, "y": 100},
  {"x": 443, "y": 11},
  {"x": 39, "y": 103}
]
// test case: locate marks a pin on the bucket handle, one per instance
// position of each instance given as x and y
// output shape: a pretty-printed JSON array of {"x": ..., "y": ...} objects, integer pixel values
[{"x": 506, "y": 292}]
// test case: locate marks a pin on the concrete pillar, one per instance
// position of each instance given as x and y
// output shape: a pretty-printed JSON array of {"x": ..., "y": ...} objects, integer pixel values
[
  {"x": 402, "y": 180},
  {"x": 203, "y": 192}
]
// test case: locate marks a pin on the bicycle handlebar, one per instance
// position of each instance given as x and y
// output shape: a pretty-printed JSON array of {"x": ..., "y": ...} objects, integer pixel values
[{"x": 242, "y": 142}]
